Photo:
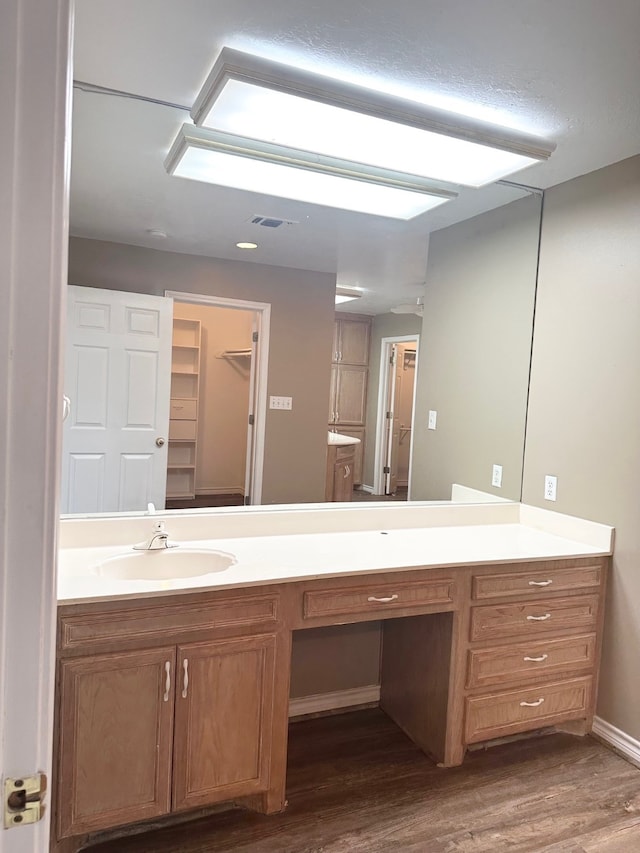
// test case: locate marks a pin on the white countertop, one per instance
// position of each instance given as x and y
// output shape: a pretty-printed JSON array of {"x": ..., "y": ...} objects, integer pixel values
[{"x": 306, "y": 556}]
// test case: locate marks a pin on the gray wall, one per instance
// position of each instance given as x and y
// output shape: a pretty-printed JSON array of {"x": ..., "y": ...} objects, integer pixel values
[
  {"x": 302, "y": 313},
  {"x": 474, "y": 354},
  {"x": 584, "y": 411}
]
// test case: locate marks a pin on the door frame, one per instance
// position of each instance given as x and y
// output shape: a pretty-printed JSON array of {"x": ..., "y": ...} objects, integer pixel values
[
  {"x": 386, "y": 345},
  {"x": 255, "y": 432},
  {"x": 35, "y": 87}
]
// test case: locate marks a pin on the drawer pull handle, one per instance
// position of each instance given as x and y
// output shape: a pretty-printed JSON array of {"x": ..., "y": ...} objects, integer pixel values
[
  {"x": 185, "y": 681},
  {"x": 539, "y": 618},
  {"x": 540, "y": 583},
  {"x": 535, "y": 704},
  {"x": 536, "y": 660},
  {"x": 382, "y": 600},
  {"x": 167, "y": 683},
  {"x": 177, "y": 408}
]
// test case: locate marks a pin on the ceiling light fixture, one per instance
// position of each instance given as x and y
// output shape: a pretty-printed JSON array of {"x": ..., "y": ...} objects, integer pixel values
[
  {"x": 243, "y": 245},
  {"x": 346, "y": 294},
  {"x": 245, "y": 164},
  {"x": 257, "y": 98}
]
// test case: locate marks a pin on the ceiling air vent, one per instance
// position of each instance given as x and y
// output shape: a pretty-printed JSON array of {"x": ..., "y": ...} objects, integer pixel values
[{"x": 270, "y": 221}]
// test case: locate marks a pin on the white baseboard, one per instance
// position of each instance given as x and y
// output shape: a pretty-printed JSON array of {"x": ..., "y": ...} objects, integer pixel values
[
  {"x": 334, "y": 701},
  {"x": 364, "y": 488},
  {"x": 623, "y": 743}
]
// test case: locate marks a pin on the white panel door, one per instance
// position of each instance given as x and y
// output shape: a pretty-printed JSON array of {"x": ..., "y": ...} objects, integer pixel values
[{"x": 118, "y": 379}]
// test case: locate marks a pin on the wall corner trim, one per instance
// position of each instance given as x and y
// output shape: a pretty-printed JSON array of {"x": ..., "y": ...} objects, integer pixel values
[{"x": 625, "y": 745}]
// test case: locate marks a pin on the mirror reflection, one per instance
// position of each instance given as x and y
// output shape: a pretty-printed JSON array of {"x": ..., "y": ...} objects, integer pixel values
[{"x": 201, "y": 374}]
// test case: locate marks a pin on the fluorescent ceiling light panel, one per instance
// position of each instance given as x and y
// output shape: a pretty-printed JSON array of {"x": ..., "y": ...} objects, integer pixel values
[
  {"x": 253, "y": 97},
  {"x": 244, "y": 164}
]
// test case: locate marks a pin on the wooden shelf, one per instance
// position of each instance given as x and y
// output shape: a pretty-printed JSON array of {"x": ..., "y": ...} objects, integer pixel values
[{"x": 183, "y": 427}]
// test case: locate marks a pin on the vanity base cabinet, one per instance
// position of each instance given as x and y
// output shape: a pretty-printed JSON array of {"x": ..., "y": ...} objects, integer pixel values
[
  {"x": 146, "y": 733},
  {"x": 224, "y": 706},
  {"x": 116, "y": 731}
]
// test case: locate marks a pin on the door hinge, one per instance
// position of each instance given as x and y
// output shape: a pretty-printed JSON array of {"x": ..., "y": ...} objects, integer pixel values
[
  {"x": 389, "y": 415},
  {"x": 386, "y": 470},
  {"x": 252, "y": 420},
  {"x": 23, "y": 800},
  {"x": 254, "y": 337}
]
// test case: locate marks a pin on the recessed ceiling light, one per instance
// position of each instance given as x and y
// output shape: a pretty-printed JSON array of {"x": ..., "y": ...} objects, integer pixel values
[
  {"x": 346, "y": 294},
  {"x": 247, "y": 245},
  {"x": 254, "y": 97},
  {"x": 157, "y": 233}
]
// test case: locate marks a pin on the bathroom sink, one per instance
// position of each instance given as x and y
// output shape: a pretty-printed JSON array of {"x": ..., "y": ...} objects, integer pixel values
[
  {"x": 341, "y": 440},
  {"x": 165, "y": 564}
]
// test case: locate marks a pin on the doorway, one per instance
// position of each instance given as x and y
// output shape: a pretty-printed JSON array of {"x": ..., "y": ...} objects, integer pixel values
[
  {"x": 395, "y": 417},
  {"x": 218, "y": 404}
]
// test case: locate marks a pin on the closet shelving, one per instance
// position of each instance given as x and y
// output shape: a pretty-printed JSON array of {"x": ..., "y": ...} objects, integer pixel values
[{"x": 183, "y": 423}]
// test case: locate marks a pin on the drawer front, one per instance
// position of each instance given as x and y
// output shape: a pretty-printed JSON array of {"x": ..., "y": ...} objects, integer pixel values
[
  {"x": 497, "y": 621},
  {"x": 347, "y": 451},
  {"x": 377, "y": 598},
  {"x": 154, "y": 623},
  {"x": 506, "y": 713},
  {"x": 182, "y": 430},
  {"x": 183, "y": 410},
  {"x": 523, "y": 661},
  {"x": 537, "y": 581}
]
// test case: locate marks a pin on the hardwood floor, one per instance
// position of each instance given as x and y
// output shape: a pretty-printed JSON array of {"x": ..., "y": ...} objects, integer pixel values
[{"x": 356, "y": 784}]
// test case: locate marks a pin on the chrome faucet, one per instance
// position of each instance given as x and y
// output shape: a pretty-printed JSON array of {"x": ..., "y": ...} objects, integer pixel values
[{"x": 158, "y": 541}]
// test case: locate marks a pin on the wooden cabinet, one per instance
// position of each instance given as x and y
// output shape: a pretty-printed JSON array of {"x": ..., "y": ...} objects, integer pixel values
[
  {"x": 116, "y": 730},
  {"x": 340, "y": 469},
  {"x": 183, "y": 422},
  {"x": 533, "y": 647},
  {"x": 146, "y": 732},
  {"x": 223, "y": 715},
  {"x": 349, "y": 381}
]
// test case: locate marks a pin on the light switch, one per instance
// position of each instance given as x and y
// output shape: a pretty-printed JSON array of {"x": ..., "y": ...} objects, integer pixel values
[
  {"x": 280, "y": 402},
  {"x": 433, "y": 416}
]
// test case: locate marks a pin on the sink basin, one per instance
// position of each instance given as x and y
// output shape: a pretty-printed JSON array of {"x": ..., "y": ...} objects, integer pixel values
[
  {"x": 339, "y": 439},
  {"x": 165, "y": 564}
]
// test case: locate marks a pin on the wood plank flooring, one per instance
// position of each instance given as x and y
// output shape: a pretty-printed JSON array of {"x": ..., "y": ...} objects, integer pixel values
[{"x": 356, "y": 784}]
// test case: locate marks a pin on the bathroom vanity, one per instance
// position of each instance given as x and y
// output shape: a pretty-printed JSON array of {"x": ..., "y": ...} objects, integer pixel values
[{"x": 173, "y": 694}]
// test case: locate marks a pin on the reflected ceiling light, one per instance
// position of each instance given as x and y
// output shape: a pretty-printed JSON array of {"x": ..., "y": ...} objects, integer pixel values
[
  {"x": 255, "y": 97},
  {"x": 259, "y": 167},
  {"x": 246, "y": 245},
  {"x": 346, "y": 294}
]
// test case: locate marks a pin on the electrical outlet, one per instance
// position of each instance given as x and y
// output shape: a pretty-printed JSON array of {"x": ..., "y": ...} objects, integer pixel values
[
  {"x": 550, "y": 487},
  {"x": 280, "y": 402},
  {"x": 496, "y": 477},
  {"x": 433, "y": 416}
]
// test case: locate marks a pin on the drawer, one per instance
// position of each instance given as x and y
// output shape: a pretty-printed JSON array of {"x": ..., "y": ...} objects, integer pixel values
[
  {"x": 347, "y": 451},
  {"x": 523, "y": 661},
  {"x": 148, "y": 624},
  {"x": 506, "y": 713},
  {"x": 183, "y": 410},
  {"x": 182, "y": 430},
  {"x": 530, "y": 619},
  {"x": 536, "y": 581},
  {"x": 378, "y": 598}
]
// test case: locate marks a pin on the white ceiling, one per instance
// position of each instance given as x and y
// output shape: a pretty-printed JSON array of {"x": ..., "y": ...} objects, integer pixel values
[{"x": 567, "y": 70}]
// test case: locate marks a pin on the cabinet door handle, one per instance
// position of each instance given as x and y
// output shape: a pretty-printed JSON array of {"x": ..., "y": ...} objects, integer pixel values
[
  {"x": 347, "y": 471},
  {"x": 185, "y": 679},
  {"x": 167, "y": 681},
  {"x": 539, "y": 618},
  {"x": 535, "y": 704},
  {"x": 540, "y": 583},
  {"x": 382, "y": 600},
  {"x": 337, "y": 416},
  {"x": 536, "y": 660}
]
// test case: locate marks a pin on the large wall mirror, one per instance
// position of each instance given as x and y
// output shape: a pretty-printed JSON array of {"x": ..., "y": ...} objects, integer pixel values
[{"x": 137, "y": 234}]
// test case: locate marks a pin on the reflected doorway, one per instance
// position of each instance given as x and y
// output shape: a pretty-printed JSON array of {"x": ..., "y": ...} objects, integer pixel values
[{"x": 395, "y": 419}]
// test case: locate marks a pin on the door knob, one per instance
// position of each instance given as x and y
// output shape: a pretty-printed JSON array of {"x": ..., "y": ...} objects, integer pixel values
[{"x": 159, "y": 442}]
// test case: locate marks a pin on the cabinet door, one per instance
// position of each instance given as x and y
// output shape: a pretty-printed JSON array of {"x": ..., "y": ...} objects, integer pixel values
[
  {"x": 224, "y": 710},
  {"x": 358, "y": 462},
  {"x": 351, "y": 394},
  {"x": 116, "y": 723},
  {"x": 332, "y": 394},
  {"x": 343, "y": 480},
  {"x": 353, "y": 341}
]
